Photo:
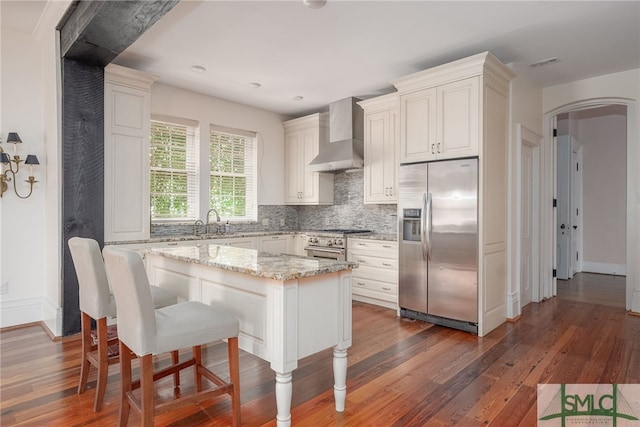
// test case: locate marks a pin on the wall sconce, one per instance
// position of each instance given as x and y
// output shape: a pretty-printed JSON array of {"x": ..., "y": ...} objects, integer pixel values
[{"x": 5, "y": 159}]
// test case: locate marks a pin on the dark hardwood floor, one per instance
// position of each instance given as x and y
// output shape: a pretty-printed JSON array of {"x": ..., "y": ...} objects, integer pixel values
[{"x": 401, "y": 372}]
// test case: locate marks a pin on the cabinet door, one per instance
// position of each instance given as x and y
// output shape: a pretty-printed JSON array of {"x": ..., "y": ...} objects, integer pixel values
[
  {"x": 126, "y": 163},
  {"x": 418, "y": 127},
  {"x": 309, "y": 149},
  {"x": 279, "y": 244},
  {"x": 380, "y": 157},
  {"x": 458, "y": 118},
  {"x": 293, "y": 175}
]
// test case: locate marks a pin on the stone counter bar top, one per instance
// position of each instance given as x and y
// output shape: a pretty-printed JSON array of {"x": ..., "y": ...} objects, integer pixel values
[{"x": 250, "y": 261}]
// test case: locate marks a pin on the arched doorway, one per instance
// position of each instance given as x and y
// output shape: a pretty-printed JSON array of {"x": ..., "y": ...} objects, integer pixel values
[{"x": 549, "y": 221}]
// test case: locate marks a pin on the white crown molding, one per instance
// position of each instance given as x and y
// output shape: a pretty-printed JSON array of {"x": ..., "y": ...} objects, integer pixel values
[
  {"x": 484, "y": 63},
  {"x": 128, "y": 76},
  {"x": 383, "y": 102}
]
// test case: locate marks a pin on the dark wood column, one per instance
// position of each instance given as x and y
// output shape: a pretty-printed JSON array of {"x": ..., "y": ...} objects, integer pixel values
[{"x": 92, "y": 34}]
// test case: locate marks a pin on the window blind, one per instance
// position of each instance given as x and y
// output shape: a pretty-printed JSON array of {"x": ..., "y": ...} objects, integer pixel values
[
  {"x": 232, "y": 180},
  {"x": 173, "y": 171}
]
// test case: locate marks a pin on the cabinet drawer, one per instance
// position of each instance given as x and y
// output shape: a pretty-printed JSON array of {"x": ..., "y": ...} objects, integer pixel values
[
  {"x": 374, "y": 288},
  {"x": 380, "y": 248},
  {"x": 371, "y": 261},
  {"x": 379, "y": 274}
]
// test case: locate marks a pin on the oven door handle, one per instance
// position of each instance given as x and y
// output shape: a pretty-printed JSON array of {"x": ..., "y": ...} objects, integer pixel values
[{"x": 320, "y": 249}]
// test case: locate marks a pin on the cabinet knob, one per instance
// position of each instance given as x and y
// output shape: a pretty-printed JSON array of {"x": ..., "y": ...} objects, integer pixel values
[
  {"x": 360, "y": 284},
  {"x": 433, "y": 148},
  {"x": 386, "y": 264},
  {"x": 385, "y": 288},
  {"x": 438, "y": 147}
]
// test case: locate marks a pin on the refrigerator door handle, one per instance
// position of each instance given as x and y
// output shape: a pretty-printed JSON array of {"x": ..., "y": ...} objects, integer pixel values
[
  {"x": 423, "y": 227},
  {"x": 429, "y": 224}
]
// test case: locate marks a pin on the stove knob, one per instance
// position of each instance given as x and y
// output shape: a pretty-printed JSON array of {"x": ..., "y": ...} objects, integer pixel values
[
  {"x": 310, "y": 240},
  {"x": 329, "y": 243},
  {"x": 339, "y": 242},
  {"x": 315, "y": 240}
]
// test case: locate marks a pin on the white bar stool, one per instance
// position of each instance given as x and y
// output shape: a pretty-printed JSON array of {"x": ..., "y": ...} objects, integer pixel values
[
  {"x": 100, "y": 347},
  {"x": 147, "y": 332}
]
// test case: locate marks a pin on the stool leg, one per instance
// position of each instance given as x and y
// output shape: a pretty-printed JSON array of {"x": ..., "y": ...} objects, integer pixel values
[
  {"x": 234, "y": 376},
  {"x": 146, "y": 386},
  {"x": 86, "y": 348},
  {"x": 197, "y": 356},
  {"x": 103, "y": 363},
  {"x": 175, "y": 359},
  {"x": 125, "y": 383}
]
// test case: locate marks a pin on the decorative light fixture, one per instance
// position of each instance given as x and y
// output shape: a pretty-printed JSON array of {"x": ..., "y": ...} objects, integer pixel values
[
  {"x": 255, "y": 85},
  {"x": 314, "y": 4},
  {"x": 198, "y": 69},
  {"x": 297, "y": 98},
  {"x": 5, "y": 159}
]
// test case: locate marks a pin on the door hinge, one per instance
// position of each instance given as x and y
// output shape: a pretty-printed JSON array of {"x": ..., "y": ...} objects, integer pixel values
[
  {"x": 555, "y": 203},
  {"x": 555, "y": 133},
  {"x": 555, "y": 273}
]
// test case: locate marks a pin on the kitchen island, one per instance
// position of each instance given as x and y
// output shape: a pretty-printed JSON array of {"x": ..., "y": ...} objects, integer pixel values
[{"x": 289, "y": 307}]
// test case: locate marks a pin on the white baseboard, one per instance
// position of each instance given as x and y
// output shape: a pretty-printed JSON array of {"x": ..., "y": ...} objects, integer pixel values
[
  {"x": 603, "y": 268},
  {"x": 52, "y": 317},
  {"x": 18, "y": 312},
  {"x": 513, "y": 305}
]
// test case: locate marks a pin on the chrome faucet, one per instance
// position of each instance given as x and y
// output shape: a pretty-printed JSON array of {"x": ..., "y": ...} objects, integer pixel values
[
  {"x": 217, "y": 221},
  {"x": 195, "y": 226}
]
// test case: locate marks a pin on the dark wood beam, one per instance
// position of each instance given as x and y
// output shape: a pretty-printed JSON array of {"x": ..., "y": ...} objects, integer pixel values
[
  {"x": 95, "y": 32},
  {"x": 92, "y": 34}
]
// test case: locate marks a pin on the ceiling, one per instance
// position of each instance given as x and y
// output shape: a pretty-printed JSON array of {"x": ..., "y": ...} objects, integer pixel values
[{"x": 356, "y": 48}]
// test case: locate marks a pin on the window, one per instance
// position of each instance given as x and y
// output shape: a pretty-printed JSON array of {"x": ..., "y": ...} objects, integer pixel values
[
  {"x": 232, "y": 180},
  {"x": 173, "y": 169}
]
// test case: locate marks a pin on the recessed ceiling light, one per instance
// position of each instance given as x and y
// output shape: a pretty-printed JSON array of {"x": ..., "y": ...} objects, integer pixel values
[
  {"x": 544, "y": 62},
  {"x": 297, "y": 98},
  {"x": 198, "y": 69},
  {"x": 255, "y": 85},
  {"x": 314, "y": 4}
]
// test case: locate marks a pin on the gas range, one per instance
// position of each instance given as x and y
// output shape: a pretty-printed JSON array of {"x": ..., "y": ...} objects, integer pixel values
[{"x": 330, "y": 243}]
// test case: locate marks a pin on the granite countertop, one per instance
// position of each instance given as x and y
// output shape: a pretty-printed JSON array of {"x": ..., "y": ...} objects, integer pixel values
[
  {"x": 188, "y": 237},
  {"x": 250, "y": 261},
  {"x": 376, "y": 236}
]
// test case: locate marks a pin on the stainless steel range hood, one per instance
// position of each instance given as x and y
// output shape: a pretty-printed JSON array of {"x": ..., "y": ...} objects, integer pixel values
[{"x": 346, "y": 147}]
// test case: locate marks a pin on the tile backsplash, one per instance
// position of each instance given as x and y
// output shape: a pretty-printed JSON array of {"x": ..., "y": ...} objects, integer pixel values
[{"x": 347, "y": 211}]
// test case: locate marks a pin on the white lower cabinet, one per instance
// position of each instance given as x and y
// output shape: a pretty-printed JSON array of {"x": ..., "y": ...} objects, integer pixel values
[
  {"x": 238, "y": 242},
  {"x": 375, "y": 281},
  {"x": 276, "y": 244}
]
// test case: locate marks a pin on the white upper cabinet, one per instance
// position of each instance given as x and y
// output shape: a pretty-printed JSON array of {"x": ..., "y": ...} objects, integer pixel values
[
  {"x": 127, "y": 115},
  {"x": 303, "y": 138},
  {"x": 381, "y": 134},
  {"x": 440, "y": 122}
]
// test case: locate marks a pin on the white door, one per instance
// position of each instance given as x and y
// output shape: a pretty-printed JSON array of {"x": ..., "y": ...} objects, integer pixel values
[
  {"x": 576, "y": 206},
  {"x": 526, "y": 253},
  {"x": 564, "y": 208}
]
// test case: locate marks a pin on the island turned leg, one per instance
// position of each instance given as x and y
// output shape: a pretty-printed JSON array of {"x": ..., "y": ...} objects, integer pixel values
[
  {"x": 340, "y": 378},
  {"x": 283, "y": 399}
]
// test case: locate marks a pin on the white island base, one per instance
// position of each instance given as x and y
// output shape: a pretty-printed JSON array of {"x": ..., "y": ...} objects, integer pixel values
[{"x": 288, "y": 307}]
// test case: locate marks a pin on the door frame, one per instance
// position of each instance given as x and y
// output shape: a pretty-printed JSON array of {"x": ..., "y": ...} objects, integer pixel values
[
  {"x": 525, "y": 136},
  {"x": 548, "y": 282}
]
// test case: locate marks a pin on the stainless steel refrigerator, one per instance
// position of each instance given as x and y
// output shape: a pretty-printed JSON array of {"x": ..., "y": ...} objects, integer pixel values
[{"x": 438, "y": 222}]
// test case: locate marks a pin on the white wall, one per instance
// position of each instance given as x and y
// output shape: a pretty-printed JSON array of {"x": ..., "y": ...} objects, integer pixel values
[
  {"x": 173, "y": 101},
  {"x": 625, "y": 88},
  {"x": 22, "y": 253},
  {"x": 604, "y": 172},
  {"x": 526, "y": 109}
]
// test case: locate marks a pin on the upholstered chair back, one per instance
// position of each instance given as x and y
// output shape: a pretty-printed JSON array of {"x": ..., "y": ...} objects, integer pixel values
[
  {"x": 136, "y": 314},
  {"x": 95, "y": 297}
]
